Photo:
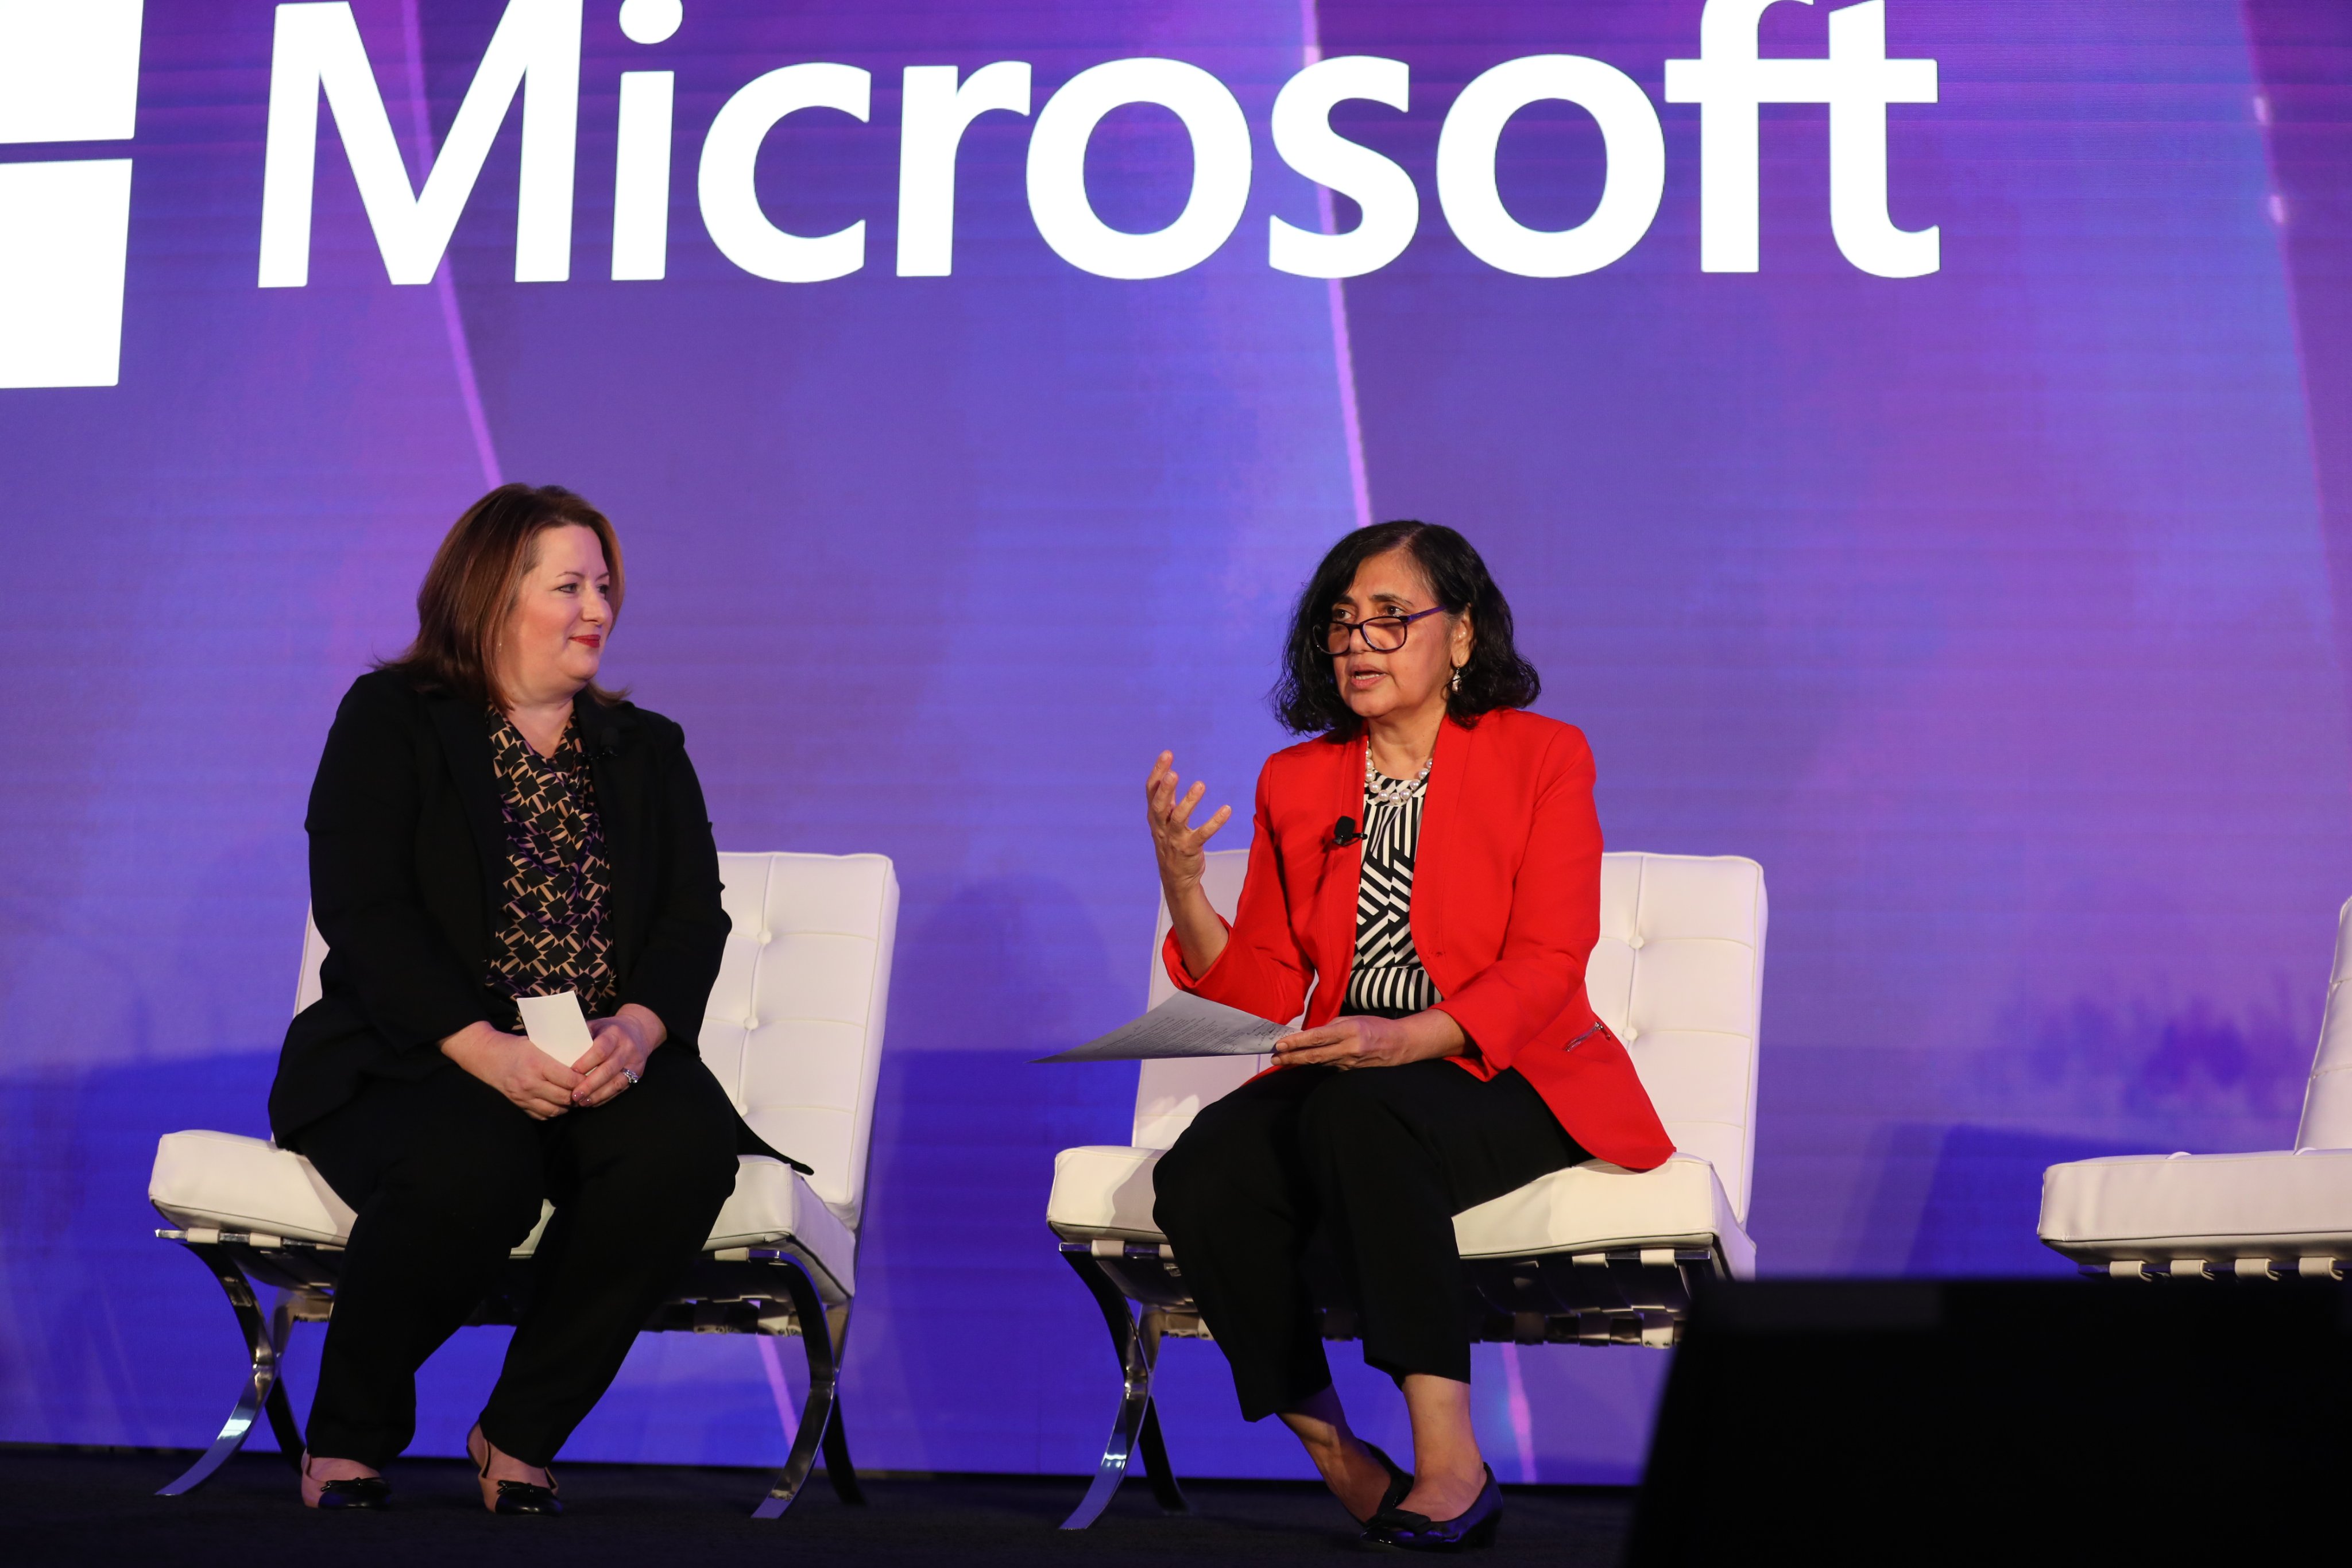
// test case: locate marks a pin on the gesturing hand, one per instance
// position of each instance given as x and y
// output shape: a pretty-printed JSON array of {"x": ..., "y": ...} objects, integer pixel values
[
  {"x": 1200, "y": 935},
  {"x": 1174, "y": 840},
  {"x": 537, "y": 1083},
  {"x": 1348, "y": 1043},
  {"x": 617, "y": 1058}
]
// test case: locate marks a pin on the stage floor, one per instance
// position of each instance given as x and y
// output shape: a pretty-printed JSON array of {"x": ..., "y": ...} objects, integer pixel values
[{"x": 95, "y": 1509}]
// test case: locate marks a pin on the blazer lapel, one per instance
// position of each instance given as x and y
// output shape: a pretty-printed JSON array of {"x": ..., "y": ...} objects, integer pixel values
[
  {"x": 1336, "y": 886},
  {"x": 466, "y": 742},
  {"x": 620, "y": 796},
  {"x": 1440, "y": 819}
]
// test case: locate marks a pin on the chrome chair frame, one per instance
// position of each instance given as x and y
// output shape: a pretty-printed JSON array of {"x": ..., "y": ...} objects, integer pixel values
[
  {"x": 1114, "y": 1274},
  {"x": 757, "y": 1290},
  {"x": 1631, "y": 1294},
  {"x": 1632, "y": 1297}
]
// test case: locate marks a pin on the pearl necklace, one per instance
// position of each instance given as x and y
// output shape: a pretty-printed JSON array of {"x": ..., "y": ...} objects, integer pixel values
[{"x": 1381, "y": 789}]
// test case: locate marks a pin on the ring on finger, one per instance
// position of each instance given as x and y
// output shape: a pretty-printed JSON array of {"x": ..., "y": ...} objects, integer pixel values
[{"x": 630, "y": 1076}]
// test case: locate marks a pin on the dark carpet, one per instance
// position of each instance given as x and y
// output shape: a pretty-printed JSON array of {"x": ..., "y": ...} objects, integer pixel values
[{"x": 90, "y": 1509}]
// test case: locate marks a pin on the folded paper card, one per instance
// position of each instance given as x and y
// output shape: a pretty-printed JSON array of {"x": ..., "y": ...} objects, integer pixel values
[
  {"x": 1183, "y": 1025},
  {"x": 556, "y": 1025}
]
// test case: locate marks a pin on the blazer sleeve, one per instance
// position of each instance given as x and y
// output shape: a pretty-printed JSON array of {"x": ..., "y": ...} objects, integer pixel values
[
  {"x": 1555, "y": 915},
  {"x": 365, "y": 802},
  {"x": 686, "y": 935},
  {"x": 1261, "y": 971}
]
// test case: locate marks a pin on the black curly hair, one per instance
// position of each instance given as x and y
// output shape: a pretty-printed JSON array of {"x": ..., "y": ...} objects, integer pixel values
[{"x": 1307, "y": 698}]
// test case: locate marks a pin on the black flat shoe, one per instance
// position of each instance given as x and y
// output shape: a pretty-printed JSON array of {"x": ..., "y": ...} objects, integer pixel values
[
  {"x": 353, "y": 1491},
  {"x": 1406, "y": 1532},
  {"x": 1400, "y": 1482},
  {"x": 359, "y": 1491},
  {"x": 528, "y": 1496},
  {"x": 513, "y": 1497}
]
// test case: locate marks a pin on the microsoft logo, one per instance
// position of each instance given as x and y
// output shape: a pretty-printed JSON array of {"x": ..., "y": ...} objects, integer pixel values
[{"x": 68, "y": 72}]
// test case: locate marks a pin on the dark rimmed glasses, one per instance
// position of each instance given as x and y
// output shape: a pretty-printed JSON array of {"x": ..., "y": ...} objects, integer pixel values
[{"x": 1382, "y": 633}]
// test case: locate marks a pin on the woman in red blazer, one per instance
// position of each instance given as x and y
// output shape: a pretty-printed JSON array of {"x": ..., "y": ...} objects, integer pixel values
[{"x": 1424, "y": 881}]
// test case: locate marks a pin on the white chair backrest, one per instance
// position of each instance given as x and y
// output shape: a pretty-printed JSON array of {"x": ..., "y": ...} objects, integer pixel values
[
  {"x": 794, "y": 1032},
  {"x": 2327, "y": 1101},
  {"x": 1169, "y": 1094},
  {"x": 1678, "y": 974},
  {"x": 306, "y": 990},
  {"x": 795, "y": 1028}
]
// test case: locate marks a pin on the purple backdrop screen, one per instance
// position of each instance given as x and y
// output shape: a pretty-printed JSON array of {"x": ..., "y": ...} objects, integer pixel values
[{"x": 1945, "y": 526}]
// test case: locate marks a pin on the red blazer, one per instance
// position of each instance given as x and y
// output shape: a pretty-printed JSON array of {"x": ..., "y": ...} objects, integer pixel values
[{"x": 1505, "y": 908}]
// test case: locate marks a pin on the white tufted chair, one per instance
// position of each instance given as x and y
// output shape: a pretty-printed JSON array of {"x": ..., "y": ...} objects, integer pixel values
[
  {"x": 794, "y": 1032},
  {"x": 1593, "y": 1254},
  {"x": 2252, "y": 1217}
]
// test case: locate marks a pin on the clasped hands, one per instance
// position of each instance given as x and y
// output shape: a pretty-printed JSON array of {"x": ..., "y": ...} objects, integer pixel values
[
  {"x": 1365, "y": 1041},
  {"x": 543, "y": 1088}
]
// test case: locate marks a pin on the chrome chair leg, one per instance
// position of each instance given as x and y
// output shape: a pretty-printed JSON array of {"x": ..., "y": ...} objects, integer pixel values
[
  {"x": 838, "y": 1470},
  {"x": 820, "y": 1421},
  {"x": 1156, "y": 1467},
  {"x": 265, "y": 1342},
  {"x": 1137, "y": 1343},
  {"x": 290, "y": 1442}
]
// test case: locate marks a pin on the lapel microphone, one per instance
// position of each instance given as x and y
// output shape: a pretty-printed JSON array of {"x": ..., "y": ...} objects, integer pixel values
[{"x": 1343, "y": 833}]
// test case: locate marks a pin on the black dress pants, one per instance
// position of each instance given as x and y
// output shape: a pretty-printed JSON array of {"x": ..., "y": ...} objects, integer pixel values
[
  {"x": 447, "y": 1177},
  {"x": 1372, "y": 1163}
]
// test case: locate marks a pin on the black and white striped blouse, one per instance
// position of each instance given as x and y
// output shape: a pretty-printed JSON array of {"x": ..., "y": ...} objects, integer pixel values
[{"x": 1388, "y": 980}]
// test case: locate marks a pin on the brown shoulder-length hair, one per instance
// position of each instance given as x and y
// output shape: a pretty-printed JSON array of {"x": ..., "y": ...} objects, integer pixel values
[{"x": 476, "y": 576}]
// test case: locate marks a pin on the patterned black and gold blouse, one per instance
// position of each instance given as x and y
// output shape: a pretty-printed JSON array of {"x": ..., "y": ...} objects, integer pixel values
[
  {"x": 551, "y": 931},
  {"x": 1386, "y": 979}
]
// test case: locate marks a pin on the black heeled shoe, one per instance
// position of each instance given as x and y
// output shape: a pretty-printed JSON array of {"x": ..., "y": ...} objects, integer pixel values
[
  {"x": 1408, "y": 1531},
  {"x": 351, "y": 1491},
  {"x": 1399, "y": 1483},
  {"x": 514, "y": 1497}
]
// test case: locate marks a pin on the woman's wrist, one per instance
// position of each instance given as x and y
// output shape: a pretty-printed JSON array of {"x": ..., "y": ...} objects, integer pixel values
[
  {"x": 1201, "y": 937},
  {"x": 467, "y": 1041},
  {"x": 1435, "y": 1035},
  {"x": 642, "y": 1022}
]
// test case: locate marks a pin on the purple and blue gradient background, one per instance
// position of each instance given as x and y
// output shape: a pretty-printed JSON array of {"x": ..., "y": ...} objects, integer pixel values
[{"x": 1993, "y": 611}]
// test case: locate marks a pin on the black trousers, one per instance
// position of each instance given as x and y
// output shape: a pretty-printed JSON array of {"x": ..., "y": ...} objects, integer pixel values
[
  {"x": 447, "y": 1175},
  {"x": 1367, "y": 1168}
]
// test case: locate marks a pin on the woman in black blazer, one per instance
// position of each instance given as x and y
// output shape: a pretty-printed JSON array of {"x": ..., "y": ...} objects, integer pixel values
[{"x": 488, "y": 824}]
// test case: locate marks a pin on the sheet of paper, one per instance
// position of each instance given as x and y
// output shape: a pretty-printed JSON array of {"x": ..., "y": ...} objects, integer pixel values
[
  {"x": 1183, "y": 1025},
  {"x": 556, "y": 1025}
]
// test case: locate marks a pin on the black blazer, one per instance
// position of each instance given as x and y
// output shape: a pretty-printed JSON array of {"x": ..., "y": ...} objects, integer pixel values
[{"x": 408, "y": 855}]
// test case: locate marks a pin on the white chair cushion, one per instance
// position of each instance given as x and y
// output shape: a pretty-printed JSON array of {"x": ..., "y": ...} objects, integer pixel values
[
  {"x": 1106, "y": 1193},
  {"x": 1601, "y": 1208},
  {"x": 220, "y": 1181},
  {"x": 2282, "y": 1204},
  {"x": 1103, "y": 1192},
  {"x": 773, "y": 1207}
]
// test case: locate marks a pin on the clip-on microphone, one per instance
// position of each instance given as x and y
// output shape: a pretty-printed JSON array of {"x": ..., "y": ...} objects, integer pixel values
[{"x": 1343, "y": 833}]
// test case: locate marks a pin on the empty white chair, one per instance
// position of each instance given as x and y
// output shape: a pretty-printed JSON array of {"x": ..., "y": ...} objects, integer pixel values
[
  {"x": 1591, "y": 1255},
  {"x": 794, "y": 1032},
  {"x": 2253, "y": 1215}
]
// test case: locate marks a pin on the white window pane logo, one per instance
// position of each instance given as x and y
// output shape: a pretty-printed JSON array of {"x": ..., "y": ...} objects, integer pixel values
[{"x": 68, "y": 72}]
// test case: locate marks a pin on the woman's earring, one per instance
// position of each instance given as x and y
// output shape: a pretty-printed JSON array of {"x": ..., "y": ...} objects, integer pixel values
[{"x": 1456, "y": 683}]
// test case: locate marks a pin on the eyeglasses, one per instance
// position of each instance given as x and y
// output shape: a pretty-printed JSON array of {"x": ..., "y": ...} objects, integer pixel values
[{"x": 1382, "y": 633}]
